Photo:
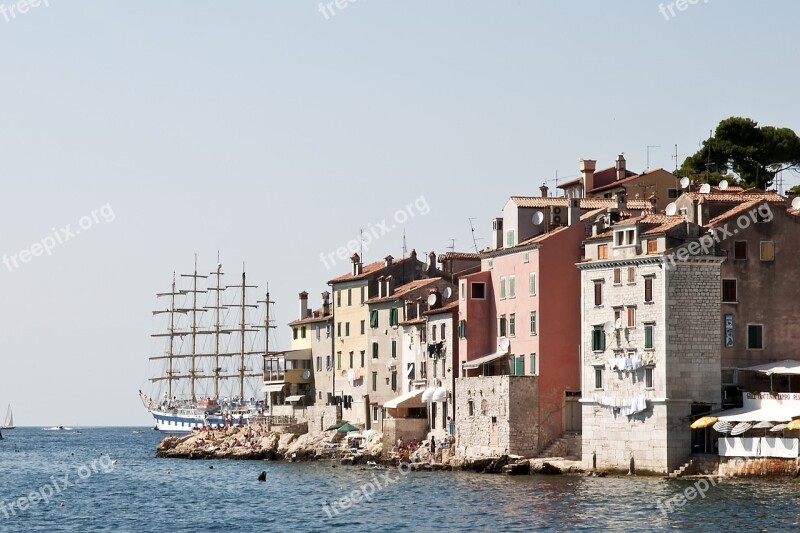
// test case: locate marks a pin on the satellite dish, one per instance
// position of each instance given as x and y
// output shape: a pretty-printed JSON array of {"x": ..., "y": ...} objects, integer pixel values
[
  {"x": 618, "y": 323},
  {"x": 432, "y": 299},
  {"x": 705, "y": 188},
  {"x": 671, "y": 209},
  {"x": 504, "y": 344},
  {"x": 306, "y": 374},
  {"x": 448, "y": 292},
  {"x": 796, "y": 203},
  {"x": 684, "y": 183},
  {"x": 537, "y": 218},
  {"x": 413, "y": 330},
  {"x": 723, "y": 185}
]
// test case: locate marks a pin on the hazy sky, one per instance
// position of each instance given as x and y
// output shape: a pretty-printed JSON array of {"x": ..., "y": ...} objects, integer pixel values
[{"x": 271, "y": 133}]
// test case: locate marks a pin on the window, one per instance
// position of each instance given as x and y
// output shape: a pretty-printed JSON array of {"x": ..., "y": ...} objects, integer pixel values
[
  {"x": 510, "y": 238},
  {"x": 393, "y": 317},
  {"x": 513, "y": 365},
  {"x": 462, "y": 329},
  {"x": 532, "y": 368},
  {"x": 625, "y": 237},
  {"x": 349, "y": 297},
  {"x": 339, "y": 360},
  {"x": 729, "y": 291},
  {"x": 347, "y": 329},
  {"x": 502, "y": 326},
  {"x": 532, "y": 284},
  {"x": 373, "y": 318},
  {"x": 502, "y": 288},
  {"x": 410, "y": 371},
  {"x": 648, "y": 289},
  {"x": 363, "y": 354},
  {"x": 376, "y": 411},
  {"x": 394, "y": 380},
  {"x": 470, "y": 408},
  {"x": 617, "y": 317},
  {"x": 598, "y": 339},
  {"x": 338, "y": 298},
  {"x": 533, "y": 322},
  {"x": 520, "y": 370},
  {"x": 374, "y": 381},
  {"x": 672, "y": 193},
  {"x": 303, "y": 332},
  {"x": 631, "y": 317},
  {"x": 512, "y": 286},
  {"x": 512, "y": 324},
  {"x": 328, "y": 365},
  {"x": 442, "y": 330},
  {"x": 767, "y": 251},
  {"x": 433, "y": 333},
  {"x": 294, "y": 333},
  {"x": 617, "y": 276},
  {"x": 526, "y": 257},
  {"x": 478, "y": 290},
  {"x": 602, "y": 251},
  {"x": 338, "y": 329},
  {"x": 648, "y": 377},
  {"x": 490, "y": 264},
  {"x": 652, "y": 246},
  {"x": 598, "y": 378},
  {"x": 363, "y": 327},
  {"x": 394, "y": 348},
  {"x": 363, "y": 293},
  {"x": 351, "y": 360},
  {"x": 598, "y": 293},
  {"x": 755, "y": 337},
  {"x": 740, "y": 250},
  {"x": 318, "y": 331},
  {"x": 319, "y": 363},
  {"x": 631, "y": 275},
  {"x": 463, "y": 291},
  {"x": 374, "y": 350},
  {"x": 648, "y": 336},
  {"x": 328, "y": 326}
]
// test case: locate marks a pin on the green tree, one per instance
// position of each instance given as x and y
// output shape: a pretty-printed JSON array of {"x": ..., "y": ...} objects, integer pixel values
[{"x": 753, "y": 154}]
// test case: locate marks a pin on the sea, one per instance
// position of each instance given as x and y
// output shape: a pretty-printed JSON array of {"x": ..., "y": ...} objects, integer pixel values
[{"x": 108, "y": 479}]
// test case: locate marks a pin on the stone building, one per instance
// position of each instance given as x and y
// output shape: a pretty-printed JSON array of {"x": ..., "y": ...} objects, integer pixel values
[
  {"x": 312, "y": 331},
  {"x": 650, "y": 340}
]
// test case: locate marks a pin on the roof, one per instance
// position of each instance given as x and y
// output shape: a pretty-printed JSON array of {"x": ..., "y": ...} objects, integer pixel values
[
  {"x": 413, "y": 322},
  {"x": 444, "y": 309},
  {"x": 741, "y": 208},
  {"x": 459, "y": 255},
  {"x": 316, "y": 316},
  {"x": 570, "y": 183},
  {"x": 623, "y": 181},
  {"x": 403, "y": 290},
  {"x": 585, "y": 203},
  {"x": 368, "y": 270},
  {"x": 736, "y": 197},
  {"x": 650, "y": 224}
]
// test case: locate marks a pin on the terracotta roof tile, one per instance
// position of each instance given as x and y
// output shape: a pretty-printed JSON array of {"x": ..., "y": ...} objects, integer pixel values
[
  {"x": 459, "y": 255},
  {"x": 623, "y": 181},
  {"x": 368, "y": 270},
  {"x": 736, "y": 197},
  {"x": 447, "y": 307},
  {"x": 650, "y": 224},
  {"x": 585, "y": 203},
  {"x": 402, "y": 290},
  {"x": 741, "y": 208}
]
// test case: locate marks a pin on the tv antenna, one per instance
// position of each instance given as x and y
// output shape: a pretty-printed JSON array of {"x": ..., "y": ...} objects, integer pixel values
[
  {"x": 474, "y": 239},
  {"x": 648, "y": 153},
  {"x": 677, "y": 156},
  {"x": 452, "y": 246}
]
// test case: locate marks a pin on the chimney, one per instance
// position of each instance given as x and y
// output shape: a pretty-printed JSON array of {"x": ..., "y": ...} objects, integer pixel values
[
  {"x": 574, "y": 211},
  {"x": 587, "y": 167},
  {"x": 438, "y": 299},
  {"x": 381, "y": 279},
  {"x": 620, "y": 166},
  {"x": 389, "y": 285},
  {"x": 622, "y": 202},
  {"x": 544, "y": 190},
  {"x": 431, "y": 261},
  {"x": 357, "y": 265},
  {"x": 497, "y": 233},
  {"x": 387, "y": 261},
  {"x": 303, "y": 305},
  {"x": 326, "y": 304},
  {"x": 413, "y": 254},
  {"x": 419, "y": 306}
]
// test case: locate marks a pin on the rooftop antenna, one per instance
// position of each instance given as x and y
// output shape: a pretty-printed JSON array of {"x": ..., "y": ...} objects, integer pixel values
[
  {"x": 405, "y": 249},
  {"x": 474, "y": 240},
  {"x": 361, "y": 242},
  {"x": 708, "y": 163},
  {"x": 648, "y": 153},
  {"x": 452, "y": 246}
]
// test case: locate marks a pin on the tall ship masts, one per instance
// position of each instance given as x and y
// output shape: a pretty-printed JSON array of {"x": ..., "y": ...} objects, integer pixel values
[{"x": 194, "y": 372}]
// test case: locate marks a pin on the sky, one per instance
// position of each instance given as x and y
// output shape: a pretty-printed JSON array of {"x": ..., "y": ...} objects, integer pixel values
[{"x": 134, "y": 135}]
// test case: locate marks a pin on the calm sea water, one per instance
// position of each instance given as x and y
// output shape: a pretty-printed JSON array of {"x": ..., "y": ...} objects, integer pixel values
[{"x": 141, "y": 493}]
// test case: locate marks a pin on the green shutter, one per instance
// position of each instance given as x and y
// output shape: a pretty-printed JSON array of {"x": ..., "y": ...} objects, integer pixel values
[
  {"x": 393, "y": 317},
  {"x": 502, "y": 288},
  {"x": 513, "y": 365},
  {"x": 512, "y": 286},
  {"x": 648, "y": 336},
  {"x": 373, "y": 318},
  {"x": 602, "y": 335},
  {"x": 533, "y": 364},
  {"x": 521, "y": 365}
]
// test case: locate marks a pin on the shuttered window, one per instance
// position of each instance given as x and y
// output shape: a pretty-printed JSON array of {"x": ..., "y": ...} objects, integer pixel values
[
  {"x": 373, "y": 318},
  {"x": 648, "y": 289},
  {"x": 617, "y": 276},
  {"x": 729, "y": 290},
  {"x": 598, "y": 293}
]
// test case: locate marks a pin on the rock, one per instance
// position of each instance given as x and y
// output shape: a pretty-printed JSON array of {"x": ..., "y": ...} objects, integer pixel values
[
  {"x": 262, "y": 476},
  {"x": 550, "y": 470},
  {"x": 520, "y": 468}
]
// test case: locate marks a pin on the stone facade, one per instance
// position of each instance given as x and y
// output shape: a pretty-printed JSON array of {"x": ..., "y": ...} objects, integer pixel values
[{"x": 496, "y": 415}]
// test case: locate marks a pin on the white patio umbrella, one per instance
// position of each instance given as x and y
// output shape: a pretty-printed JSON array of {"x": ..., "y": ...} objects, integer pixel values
[
  {"x": 779, "y": 427},
  {"x": 765, "y": 425},
  {"x": 741, "y": 427},
  {"x": 723, "y": 426}
]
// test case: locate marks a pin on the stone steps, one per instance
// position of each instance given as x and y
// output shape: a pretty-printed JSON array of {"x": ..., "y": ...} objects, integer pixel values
[{"x": 697, "y": 466}]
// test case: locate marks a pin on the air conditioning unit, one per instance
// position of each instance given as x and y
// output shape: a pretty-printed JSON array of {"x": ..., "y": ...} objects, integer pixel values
[{"x": 558, "y": 216}]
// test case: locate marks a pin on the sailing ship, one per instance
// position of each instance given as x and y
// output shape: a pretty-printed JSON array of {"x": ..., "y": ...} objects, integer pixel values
[
  {"x": 9, "y": 421},
  {"x": 208, "y": 373}
]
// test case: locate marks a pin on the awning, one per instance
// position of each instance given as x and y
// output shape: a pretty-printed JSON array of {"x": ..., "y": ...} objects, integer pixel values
[
  {"x": 428, "y": 394},
  {"x": 410, "y": 370},
  {"x": 272, "y": 388},
  {"x": 783, "y": 413},
  {"x": 294, "y": 398},
  {"x": 408, "y": 400},
  {"x": 787, "y": 366},
  {"x": 439, "y": 395},
  {"x": 476, "y": 363}
]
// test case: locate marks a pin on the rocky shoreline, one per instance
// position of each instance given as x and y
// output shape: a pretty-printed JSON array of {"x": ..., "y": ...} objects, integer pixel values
[{"x": 246, "y": 443}]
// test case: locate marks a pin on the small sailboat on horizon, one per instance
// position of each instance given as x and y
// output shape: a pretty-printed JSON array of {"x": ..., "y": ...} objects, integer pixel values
[{"x": 9, "y": 421}]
